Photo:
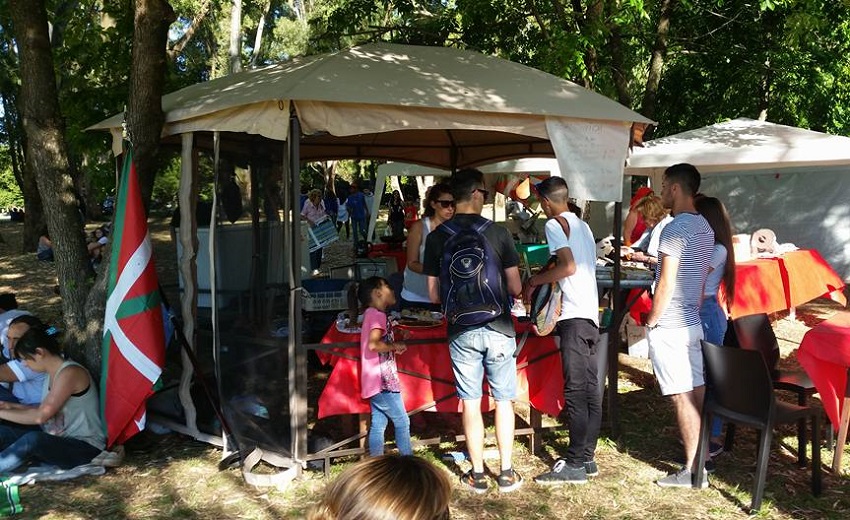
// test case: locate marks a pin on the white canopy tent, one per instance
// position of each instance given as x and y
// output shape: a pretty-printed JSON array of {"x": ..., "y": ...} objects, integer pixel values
[
  {"x": 791, "y": 180},
  {"x": 438, "y": 107}
]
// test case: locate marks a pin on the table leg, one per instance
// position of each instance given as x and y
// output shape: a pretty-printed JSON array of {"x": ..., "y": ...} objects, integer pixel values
[
  {"x": 536, "y": 420},
  {"x": 842, "y": 436}
]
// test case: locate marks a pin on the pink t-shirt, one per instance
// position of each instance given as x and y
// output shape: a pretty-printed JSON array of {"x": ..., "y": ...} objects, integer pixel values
[{"x": 378, "y": 371}]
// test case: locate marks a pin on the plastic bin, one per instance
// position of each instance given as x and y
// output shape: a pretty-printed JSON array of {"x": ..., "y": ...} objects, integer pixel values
[{"x": 325, "y": 295}]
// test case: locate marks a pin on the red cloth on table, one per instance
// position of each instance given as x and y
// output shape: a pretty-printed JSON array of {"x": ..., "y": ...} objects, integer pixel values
[
  {"x": 774, "y": 284},
  {"x": 539, "y": 377},
  {"x": 824, "y": 354}
]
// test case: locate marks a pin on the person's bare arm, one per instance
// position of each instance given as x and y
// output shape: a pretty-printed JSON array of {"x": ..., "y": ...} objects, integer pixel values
[
  {"x": 434, "y": 289},
  {"x": 72, "y": 380},
  {"x": 6, "y": 374},
  {"x": 514, "y": 281},
  {"x": 565, "y": 267},
  {"x": 629, "y": 226},
  {"x": 377, "y": 344},
  {"x": 414, "y": 241},
  {"x": 664, "y": 290}
]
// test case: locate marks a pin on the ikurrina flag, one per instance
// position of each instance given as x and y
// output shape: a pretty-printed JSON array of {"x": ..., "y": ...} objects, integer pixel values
[{"x": 133, "y": 337}]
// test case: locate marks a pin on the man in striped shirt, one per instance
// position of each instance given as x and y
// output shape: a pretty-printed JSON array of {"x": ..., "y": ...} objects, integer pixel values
[{"x": 674, "y": 327}]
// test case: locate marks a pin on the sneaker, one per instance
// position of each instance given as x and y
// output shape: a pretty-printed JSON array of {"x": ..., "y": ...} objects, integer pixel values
[
  {"x": 684, "y": 478},
  {"x": 710, "y": 466},
  {"x": 509, "y": 480},
  {"x": 476, "y": 484},
  {"x": 563, "y": 474},
  {"x": 714, "y": 449},
  {"x": 590, "y": 468}
]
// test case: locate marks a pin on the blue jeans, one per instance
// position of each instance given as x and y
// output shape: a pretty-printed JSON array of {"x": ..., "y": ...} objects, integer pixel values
[
  {"x": 388, "y": 406},
  {"x": 714, "y": 326},
  {"x": 20, "y": 444},
  {"x": 359, "y": 228},
  {"x": 583, "y": 400}
]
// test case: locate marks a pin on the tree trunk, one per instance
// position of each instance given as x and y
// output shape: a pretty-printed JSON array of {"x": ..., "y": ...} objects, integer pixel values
[
  {"x": 258, "y": 39},
  {"x": 656, "y": 64},
  {"x": 47, "y": 156},
  {"x": 147, "y": 83},
  {"x": 236, "y": 37},
  {"x": 618, "y": 65}
]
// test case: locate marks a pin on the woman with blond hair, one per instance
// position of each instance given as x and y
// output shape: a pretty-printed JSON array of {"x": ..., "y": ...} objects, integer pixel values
[
  {"x": 314, "y": 212},
  {"x": 389, "y": 487}
]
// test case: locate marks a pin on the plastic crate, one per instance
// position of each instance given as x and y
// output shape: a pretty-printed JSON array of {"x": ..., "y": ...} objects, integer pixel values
[{"x": 325, "y": 295}]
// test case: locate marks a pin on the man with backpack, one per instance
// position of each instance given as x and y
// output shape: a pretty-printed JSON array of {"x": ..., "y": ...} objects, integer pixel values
[
  {"x": 472, "y": 268},
  {"x": 571, "y": 241}
]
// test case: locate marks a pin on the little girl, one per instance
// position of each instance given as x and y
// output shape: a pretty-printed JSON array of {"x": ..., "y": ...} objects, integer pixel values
[{"x": 378, "y": 372}]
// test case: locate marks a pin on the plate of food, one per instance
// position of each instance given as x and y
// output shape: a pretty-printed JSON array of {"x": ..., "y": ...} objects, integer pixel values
[
  {"x": 344, "y": 325},
  {"x": 419, "y": 318}
]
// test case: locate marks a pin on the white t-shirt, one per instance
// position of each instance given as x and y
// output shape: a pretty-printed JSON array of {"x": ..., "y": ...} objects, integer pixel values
[
  {"x": 29, "y": 384},
  {"x": 718, "y": 265},
  {"x": 580, "y": 296}
]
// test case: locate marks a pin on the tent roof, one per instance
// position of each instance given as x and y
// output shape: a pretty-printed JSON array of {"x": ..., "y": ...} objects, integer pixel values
[
  {"x": 538, "y": 165},
  {"x": 397, "y": 75},
  {"x": 740, "y": 145}
]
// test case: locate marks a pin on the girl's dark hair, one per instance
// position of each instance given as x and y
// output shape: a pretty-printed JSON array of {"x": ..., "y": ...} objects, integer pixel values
[
  {"x": 434, "y": 195},
  {"x": 715, "y": 213},
  {"x": 360, "y": 294},
  {"x": 32, "y": 321},
  {"x": 33, "y": 339}
]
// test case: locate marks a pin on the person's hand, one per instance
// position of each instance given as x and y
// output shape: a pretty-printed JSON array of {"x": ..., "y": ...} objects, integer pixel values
[
  {"x": 401, "y": 333},
  {"x": 400, "y": 348},
  {"x": 528, "y": 289},
  {"x": 5, "y": 405},
  {"x": 640, "y": 256}
]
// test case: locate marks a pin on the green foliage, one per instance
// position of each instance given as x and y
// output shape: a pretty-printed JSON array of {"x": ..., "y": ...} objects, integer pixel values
[{"x": 10, "y": 192}]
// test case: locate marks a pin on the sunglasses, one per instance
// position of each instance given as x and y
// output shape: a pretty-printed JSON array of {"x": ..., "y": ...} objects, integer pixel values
[
  {"x": 483, "y": 192},
  {"x": 445, "y": 203}
]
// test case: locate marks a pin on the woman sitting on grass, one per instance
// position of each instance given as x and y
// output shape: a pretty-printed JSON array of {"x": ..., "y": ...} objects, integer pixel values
[{"x": 71, "y": 431}]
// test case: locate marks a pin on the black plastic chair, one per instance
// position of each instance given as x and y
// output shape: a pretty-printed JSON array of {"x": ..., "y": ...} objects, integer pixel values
[
  {"x": 739, "y": 390},
  {"x": 755, "y": 333}
]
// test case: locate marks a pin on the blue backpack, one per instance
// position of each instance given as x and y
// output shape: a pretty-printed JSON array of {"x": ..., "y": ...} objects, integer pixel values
[{"x": 471, "y": 279}]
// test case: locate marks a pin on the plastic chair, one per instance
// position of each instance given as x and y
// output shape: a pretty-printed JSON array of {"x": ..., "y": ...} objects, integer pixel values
[
  {"x": 739, "y": 390},
  {"x": 755, "y": 333}
]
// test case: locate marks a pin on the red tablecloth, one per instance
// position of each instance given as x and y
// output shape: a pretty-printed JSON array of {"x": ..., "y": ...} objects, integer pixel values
[
  {"x": 426, "y": 375},
  {"x": 775, "y": 284},
  {"x": 384, "y": 250},
  {"x": 824, "y": 353}
]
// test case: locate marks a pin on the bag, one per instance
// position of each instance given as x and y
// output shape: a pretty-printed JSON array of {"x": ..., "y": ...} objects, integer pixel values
[
  {"x": 547, "y": 298},
  {"x": 471, "y": 278}
]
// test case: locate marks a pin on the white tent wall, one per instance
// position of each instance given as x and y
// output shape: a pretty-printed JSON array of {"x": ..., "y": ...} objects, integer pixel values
[{"x": 808, "y": 208}]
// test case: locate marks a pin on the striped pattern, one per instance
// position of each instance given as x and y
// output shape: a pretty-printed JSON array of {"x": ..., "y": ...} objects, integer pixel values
[
  {"x": 133, "y": 334},
  {"x": 689, "y": 238}
]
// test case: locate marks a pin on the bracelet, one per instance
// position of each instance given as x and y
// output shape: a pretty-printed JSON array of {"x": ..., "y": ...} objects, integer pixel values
[{"x": 651, "y": 327}]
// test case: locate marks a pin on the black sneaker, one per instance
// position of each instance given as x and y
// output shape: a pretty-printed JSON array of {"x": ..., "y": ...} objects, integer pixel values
[
  {"x": 563, "y": 474},
  {"x": 509, "y": 480},
  {"x": 590, "y": 468},
  {"x": 684, "y": 478},
  {"x": 476, "y": 484}
]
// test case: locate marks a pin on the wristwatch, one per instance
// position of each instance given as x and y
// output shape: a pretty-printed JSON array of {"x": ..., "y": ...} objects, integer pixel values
[{"x": 651, "y": 327}]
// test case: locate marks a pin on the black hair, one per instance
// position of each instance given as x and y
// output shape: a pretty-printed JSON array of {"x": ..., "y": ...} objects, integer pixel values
[
  {"x": 575, "y": 209},
  {"x": 434, "y": 195},
  {"x": 463, "y": 183},
  {"x": 33, "y": 339},
  {"x": 31, "y": 321},
  {"x": 685, "y": 175},
  {"x": 554, "y": 189},
  {"x": 360, "y": 294},
  {"x": 8, "y": 301}
]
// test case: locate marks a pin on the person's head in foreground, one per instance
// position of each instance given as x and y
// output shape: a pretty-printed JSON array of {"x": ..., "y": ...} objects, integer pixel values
[
  {"x": 468, "y": 189},
  {"x": 680, "y": 184},
  {"x": 38, "y": 350},
  {"x": 389, "y": 487},
  {"x": 554, "y": 196}
]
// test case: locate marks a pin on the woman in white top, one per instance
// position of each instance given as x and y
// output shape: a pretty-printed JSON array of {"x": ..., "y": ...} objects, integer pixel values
[
  {"x": 439, "y": 207},
  {"x": 65, "y": 430}
]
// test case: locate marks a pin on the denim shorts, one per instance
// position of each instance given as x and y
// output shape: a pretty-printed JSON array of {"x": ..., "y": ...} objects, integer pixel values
[{"x": 483, "y": 351}]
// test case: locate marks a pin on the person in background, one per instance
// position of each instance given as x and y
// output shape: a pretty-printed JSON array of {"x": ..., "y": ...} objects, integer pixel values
[
  {"x": 721, "y": 271},
  {"x": 358, "y": 211},
  {"x": 439, "y": 207},
  {"x": 674, "y": 329},
  {"x": 44, "y": 249},
  {"x": 395, "y": 220},
  {"x": 26, "y": 384},
  {"x": 71, "y": 432},
  {"x": 314, "y": 212},
  {"x": 386, "y": 487},
  {"x": 343, "y": 218},
  {"x": 578, "y": 329},
  {"x": 634, "y": 225},
  {"x": 379, "y": 381},
  {"x": 331, "y": 206}
]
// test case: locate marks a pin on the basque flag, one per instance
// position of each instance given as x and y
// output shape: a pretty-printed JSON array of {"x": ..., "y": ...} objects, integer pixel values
[{"x": 133, "y": 337}]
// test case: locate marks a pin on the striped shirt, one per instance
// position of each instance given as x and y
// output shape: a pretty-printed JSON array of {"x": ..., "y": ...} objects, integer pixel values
[{"x": 690, "y": 239}]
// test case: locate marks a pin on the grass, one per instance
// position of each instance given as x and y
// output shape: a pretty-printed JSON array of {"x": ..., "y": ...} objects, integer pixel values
[{"x": 174, "y": 477}]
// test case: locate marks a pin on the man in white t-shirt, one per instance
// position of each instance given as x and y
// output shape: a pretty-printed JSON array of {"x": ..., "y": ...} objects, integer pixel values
[
  {"x": 571, "y": 241},
  {"x": 674, "y": 328}
]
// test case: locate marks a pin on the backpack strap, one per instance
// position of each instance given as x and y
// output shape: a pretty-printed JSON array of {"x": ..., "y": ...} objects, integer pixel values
[
  {"x": 449, "y": 227},
  {"x": 564, "y": 225}
]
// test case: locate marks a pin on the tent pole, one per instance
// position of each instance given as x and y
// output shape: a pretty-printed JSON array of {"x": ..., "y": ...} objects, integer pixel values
[
  {"x": 296, "y": 356},
  {"x": 614, "y": 329}
]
